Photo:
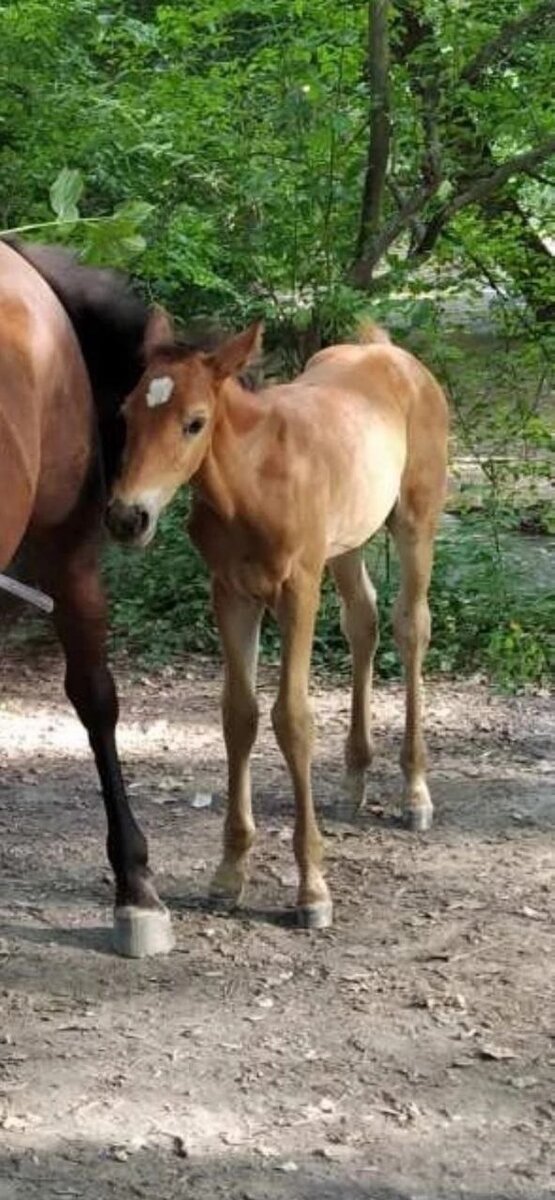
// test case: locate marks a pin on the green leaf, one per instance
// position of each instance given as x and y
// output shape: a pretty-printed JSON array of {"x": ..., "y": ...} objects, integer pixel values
[
  {"x": 134, "y": 212},
  {"x": 65, "y": 193},
  {"x": 135, "y": 244},
  {"x": 445, "y": 190}
]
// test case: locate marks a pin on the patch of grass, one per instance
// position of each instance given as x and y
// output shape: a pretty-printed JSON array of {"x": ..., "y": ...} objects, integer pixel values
[
  {"x": 489, "y": 612},
  {"x": 160, "y": 597}
]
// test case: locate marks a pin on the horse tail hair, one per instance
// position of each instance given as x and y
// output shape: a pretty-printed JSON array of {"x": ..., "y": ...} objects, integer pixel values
[{"x": 368, "y": 333}]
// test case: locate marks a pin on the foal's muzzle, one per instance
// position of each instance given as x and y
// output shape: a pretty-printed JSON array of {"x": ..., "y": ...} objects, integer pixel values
[{"x": 127, "y": 522}]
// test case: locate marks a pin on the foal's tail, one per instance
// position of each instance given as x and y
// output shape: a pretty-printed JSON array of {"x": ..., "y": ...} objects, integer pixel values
[{"x": 368, "y": 332}]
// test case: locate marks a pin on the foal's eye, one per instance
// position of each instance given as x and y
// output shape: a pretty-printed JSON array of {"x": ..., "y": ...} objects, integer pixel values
[{"x": 194, "y": 426}]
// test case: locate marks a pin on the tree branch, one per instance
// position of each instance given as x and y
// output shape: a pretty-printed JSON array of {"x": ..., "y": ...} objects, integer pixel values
[
  {"x": 504, "y": 40},
  {"x": 425, "y": 83},
  {"x": 404, "y": 217},
  {"x": 416, "y": 227},
  {"x": 539, "y": 178},
  {"x": 414, "y": 31},
  {"x": 481, "y": 189},
  {"x": 432, "y": 91}
]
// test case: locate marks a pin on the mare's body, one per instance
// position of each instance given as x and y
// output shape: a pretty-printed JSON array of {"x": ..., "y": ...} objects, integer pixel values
[
  {"x": 62, "y": 381},
  {"x": 286, "y": 481}
]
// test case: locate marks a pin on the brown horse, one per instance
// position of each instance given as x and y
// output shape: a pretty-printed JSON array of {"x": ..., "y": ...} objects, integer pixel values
[
  {"x": 70, "y": 348},
  {"x": 284, "y": 482}
]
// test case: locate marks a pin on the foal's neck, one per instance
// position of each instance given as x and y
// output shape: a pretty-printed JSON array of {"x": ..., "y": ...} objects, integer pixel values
[{"x": 224, "y": 478}]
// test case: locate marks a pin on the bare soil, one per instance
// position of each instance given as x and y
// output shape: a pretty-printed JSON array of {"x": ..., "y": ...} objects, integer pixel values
[{"x": 407, "y": 1054}]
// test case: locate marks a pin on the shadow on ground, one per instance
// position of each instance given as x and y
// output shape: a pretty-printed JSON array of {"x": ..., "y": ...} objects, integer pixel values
[{"x": 93, "y": 1173}]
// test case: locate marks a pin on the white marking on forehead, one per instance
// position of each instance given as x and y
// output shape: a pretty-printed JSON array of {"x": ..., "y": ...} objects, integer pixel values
[{"x": 159, "y": 391}]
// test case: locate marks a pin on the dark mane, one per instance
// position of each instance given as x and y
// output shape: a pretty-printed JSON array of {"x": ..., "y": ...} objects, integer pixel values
[
  {"x": 109, "y": 320},
  {"x": 179, "y": 349},
  {"x": 183, "y": 348}
]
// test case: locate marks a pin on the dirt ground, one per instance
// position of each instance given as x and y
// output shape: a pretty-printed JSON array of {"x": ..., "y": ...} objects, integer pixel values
[{"x": 407, "y": 1054}]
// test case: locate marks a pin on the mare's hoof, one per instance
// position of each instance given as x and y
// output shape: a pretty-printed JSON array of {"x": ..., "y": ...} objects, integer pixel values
[
  {"x": 141, "y": 932},
  {"x": 315, "y": 916},
  {"x": 419, "y": 820}
]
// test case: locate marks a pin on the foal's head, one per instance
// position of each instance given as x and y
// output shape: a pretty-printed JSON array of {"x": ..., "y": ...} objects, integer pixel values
[{"x": 170, "y": 418}]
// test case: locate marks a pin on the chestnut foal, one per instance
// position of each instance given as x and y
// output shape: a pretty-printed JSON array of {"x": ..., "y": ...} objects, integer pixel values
[{"x": 285, "y": 481}]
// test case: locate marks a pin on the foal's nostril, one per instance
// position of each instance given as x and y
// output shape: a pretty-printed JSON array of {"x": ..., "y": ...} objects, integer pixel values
[
  {"x": 141, "y": 518},
  {"x": 126, "y": 521}
]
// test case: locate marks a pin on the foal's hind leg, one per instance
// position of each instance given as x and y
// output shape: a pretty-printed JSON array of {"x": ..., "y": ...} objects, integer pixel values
[
  {"x": 142, "y": 924},
  {"x": 411, "y": 625},
  {"x": 359, "y": 622},
  {"x": 239, "y": 623}
]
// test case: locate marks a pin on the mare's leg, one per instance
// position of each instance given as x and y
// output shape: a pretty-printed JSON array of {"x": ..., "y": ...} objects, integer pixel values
[
  {"x": 359, "y": 622},
  {"x": 141, "y": 923},
  {"x": 239, "y": 624},
  {"x": 411, "y": 625},
  {"x": 294, "y": 730}
]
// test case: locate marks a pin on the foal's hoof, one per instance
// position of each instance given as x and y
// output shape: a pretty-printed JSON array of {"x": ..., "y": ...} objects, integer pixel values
[
  {"x": 141, "y": 932},
  {"x": 315, "y": 916},
  {"x": 419, "y": 820},
  {"x": 227, "y": 885},
  {"x": 355, "y": 793}
]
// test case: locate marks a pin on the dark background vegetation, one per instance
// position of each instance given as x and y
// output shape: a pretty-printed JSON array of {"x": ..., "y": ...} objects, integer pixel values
[{"x": 313, "y": 163}]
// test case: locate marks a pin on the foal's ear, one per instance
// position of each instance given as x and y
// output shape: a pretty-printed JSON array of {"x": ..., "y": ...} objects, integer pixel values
[
  {"x": 234, "y": 354},
  {"x": 159, "y": 331}
]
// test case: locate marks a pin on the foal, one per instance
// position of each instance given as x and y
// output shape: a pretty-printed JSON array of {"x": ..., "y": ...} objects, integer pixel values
[{"x": 285, "y": 481}]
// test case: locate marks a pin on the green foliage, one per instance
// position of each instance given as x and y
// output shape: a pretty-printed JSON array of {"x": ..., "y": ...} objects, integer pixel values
[
  {"x": 244, "y": 126},
  {"x": 114, "y": 239},
  {"x": 161, "y": 597},
  {"x": 489, "y": 612}
]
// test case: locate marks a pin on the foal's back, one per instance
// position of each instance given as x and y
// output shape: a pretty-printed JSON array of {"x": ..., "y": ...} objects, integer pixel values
[
  {"x": 403, "y": 394},
  {"x": 393, "y": 381},
  {"x": 344, "y": 435},
  {"x": 45, "y": 405}
]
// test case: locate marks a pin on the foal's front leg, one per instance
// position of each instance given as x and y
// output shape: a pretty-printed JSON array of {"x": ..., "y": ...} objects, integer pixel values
[
  {"x": 239, "y": 623},
  {"x": 294, "y": 729}
]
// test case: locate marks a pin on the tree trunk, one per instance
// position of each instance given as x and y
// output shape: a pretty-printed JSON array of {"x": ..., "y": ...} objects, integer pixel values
[{"x": 378, "y": 146}]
